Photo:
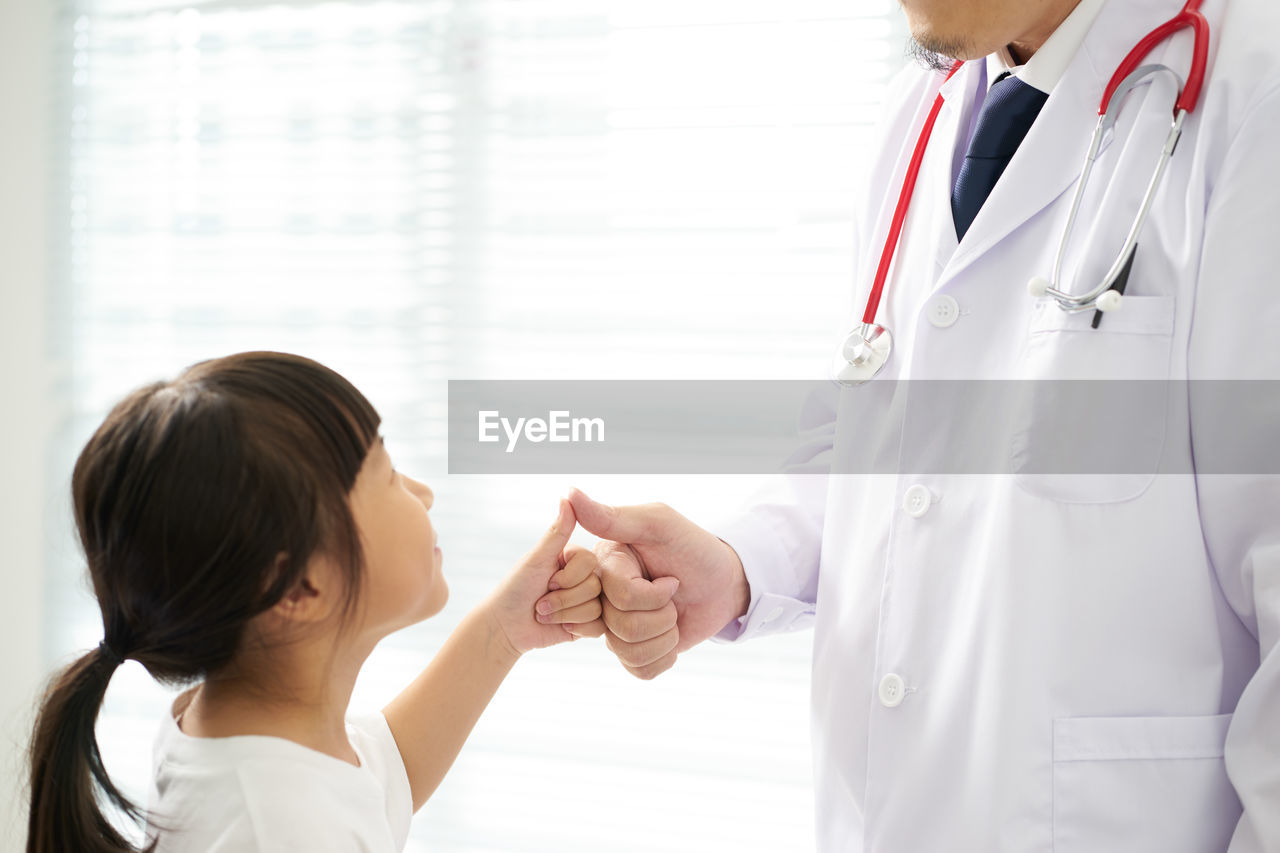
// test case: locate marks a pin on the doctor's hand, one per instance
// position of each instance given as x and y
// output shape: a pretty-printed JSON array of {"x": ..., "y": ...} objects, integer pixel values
[{"x": 668, "y": 583}]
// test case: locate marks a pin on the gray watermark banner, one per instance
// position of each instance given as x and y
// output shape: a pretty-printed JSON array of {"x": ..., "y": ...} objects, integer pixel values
[{"x": 1041, "y": 427}]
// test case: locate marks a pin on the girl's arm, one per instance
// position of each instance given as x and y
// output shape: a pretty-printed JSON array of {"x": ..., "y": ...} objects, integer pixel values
[{"x": 434, "y": 715}]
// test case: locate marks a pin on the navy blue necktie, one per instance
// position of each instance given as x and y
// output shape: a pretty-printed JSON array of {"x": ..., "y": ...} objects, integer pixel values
[{"x": 1007, "y": 114}]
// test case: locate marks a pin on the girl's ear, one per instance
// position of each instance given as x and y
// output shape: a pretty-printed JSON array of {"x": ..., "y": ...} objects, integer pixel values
[{"x": 312, "y": 598}]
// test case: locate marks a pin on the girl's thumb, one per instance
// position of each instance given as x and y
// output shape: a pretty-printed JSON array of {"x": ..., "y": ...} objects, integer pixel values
[{"x": 557, "y": 535}]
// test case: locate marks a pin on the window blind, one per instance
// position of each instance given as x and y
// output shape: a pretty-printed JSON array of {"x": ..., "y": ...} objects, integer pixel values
[{"x": 418, "y": 191}]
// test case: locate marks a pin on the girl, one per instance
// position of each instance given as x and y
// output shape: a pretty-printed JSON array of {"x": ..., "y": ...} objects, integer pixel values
[{"x": 245, "y": 530}]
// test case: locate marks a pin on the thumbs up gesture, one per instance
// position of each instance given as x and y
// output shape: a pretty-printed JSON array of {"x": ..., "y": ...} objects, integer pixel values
[
  {"x": 668, "y": 584},
  {"x": 569, "y": 572}
]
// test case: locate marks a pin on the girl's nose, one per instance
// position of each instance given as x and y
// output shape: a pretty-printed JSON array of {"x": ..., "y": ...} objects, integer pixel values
[{"x": 423, "y": 491}]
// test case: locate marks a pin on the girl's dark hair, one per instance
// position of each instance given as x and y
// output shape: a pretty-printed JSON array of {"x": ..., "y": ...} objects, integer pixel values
[{"x": 198, "y": 503}]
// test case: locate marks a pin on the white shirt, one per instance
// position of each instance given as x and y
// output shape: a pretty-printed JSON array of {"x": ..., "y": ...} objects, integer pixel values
[
  {"x": 258, "y": 794},
  {"x": 1026, "y": 662},
  {"x": 1047, "y": 65}
]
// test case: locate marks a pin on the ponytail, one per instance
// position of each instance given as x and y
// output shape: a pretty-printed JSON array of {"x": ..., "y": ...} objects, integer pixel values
[
  {"x": 67, "y": 773},
  {"x": 186, "y": 498}
]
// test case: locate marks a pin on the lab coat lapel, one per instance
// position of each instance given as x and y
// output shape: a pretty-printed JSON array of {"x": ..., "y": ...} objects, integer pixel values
[
  {"x": 960, "y": 93},
  {"x": 1049, "y": 160}
]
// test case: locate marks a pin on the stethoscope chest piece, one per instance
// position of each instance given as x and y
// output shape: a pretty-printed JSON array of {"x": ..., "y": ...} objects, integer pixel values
[{"x": 863, "y": 354}]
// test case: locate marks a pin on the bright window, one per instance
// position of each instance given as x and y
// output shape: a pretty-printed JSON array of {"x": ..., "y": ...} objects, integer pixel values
[{"x": 421, "y": 190}]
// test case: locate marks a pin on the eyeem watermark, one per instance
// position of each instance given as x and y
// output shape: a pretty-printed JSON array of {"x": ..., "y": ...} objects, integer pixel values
[
  {"x": 966, "y": 427},
  {"x": 559, "y": 426}
]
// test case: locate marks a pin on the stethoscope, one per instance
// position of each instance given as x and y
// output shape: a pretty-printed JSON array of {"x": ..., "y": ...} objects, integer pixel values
[{"x": 866, "y": 349}]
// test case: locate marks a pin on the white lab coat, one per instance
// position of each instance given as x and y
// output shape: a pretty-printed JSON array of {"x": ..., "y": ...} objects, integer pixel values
[{"x": 1089, "y": 663}]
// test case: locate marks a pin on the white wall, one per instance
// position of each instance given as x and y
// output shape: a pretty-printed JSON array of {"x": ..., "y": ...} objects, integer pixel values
[{"x": 25, "y": 55}]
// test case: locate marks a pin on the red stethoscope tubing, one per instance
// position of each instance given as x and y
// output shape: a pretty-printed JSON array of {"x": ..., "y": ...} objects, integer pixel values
[
  {"x": 904, "y": 202},
  {"x": 1190, "y": 16}
]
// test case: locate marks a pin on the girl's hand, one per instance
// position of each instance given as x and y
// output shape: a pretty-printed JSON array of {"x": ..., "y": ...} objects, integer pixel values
[{"x": 567, "y": 570}]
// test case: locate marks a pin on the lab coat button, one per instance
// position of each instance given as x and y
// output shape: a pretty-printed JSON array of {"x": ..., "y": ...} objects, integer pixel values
[
  {"x": 916, "y": 501},
  {"x": 943, "y": 311},
  {"x": 892, "y": 689}
]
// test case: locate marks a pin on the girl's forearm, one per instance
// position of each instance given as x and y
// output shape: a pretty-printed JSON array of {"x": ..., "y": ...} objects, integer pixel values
[{"x": 432, "y": 718}]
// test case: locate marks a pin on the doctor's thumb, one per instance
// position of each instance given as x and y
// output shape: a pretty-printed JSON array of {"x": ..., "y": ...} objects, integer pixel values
[
  {"x": 621, "y": 524},
  {"x": 667, "y": 586}
]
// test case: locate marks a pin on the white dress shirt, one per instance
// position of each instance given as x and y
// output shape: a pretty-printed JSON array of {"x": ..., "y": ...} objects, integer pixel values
[{"x": 1047, "y": 65}]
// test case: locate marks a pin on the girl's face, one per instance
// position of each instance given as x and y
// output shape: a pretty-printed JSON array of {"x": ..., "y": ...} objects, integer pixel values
[{"x": 403, "y": 580}]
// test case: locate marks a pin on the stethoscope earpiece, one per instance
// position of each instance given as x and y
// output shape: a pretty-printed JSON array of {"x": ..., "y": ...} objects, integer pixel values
[{"x": 1110, "y": 301}]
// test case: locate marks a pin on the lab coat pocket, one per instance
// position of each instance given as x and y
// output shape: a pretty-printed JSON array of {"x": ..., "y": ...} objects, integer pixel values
[
  {"x": 1138, "y": 784},
  {"x": 1091, "y": 405}
]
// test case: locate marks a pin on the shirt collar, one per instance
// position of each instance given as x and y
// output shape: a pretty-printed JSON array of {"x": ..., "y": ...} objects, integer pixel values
[{"x": 1046, "y": 67}]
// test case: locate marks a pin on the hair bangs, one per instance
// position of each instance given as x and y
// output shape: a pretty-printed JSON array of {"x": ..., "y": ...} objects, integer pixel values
[{"x": 342, "y": 421}]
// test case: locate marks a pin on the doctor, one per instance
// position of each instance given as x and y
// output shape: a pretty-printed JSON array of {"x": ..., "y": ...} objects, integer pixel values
[{"x": 1027, "y": 663}]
